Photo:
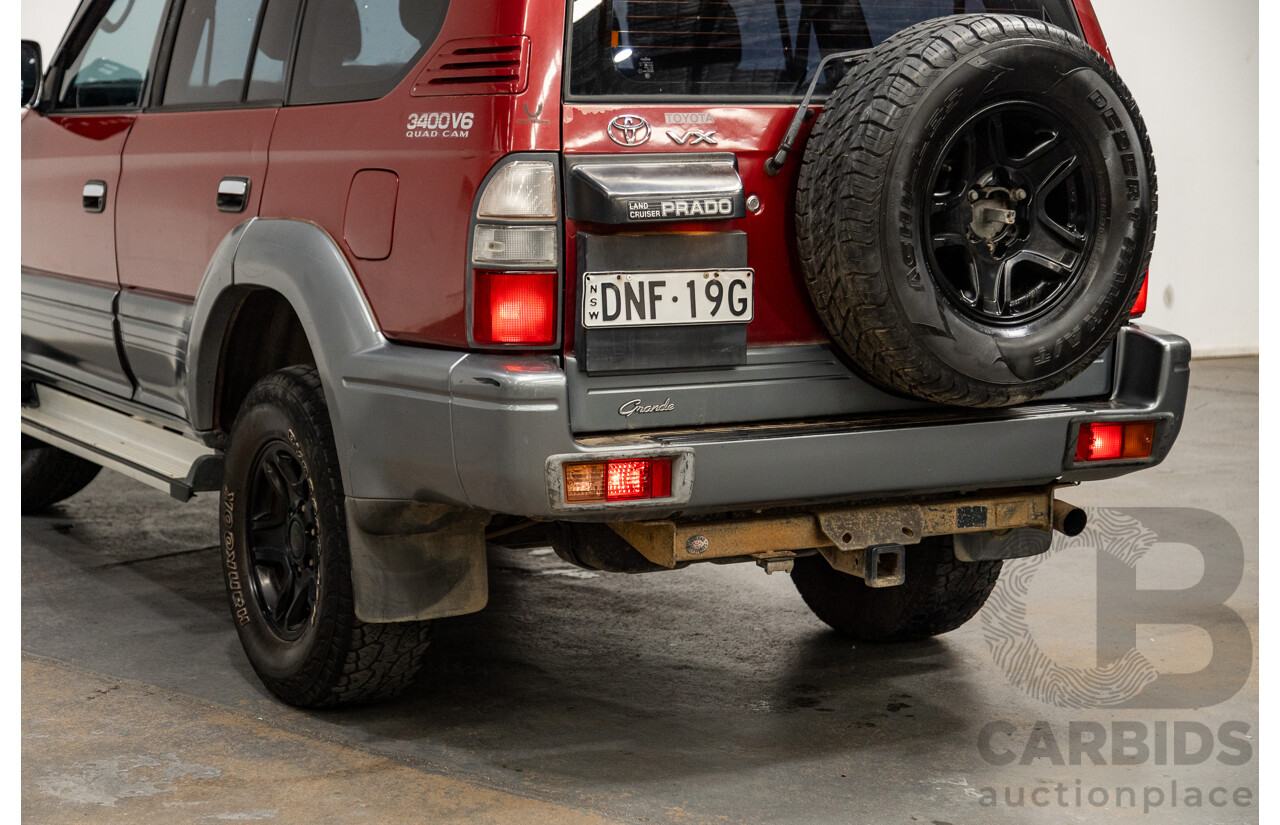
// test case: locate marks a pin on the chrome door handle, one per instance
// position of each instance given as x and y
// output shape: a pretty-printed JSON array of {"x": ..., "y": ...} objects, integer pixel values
[
  {"x": 94, "y": 196},
  {"x": 233, "y": 194}
]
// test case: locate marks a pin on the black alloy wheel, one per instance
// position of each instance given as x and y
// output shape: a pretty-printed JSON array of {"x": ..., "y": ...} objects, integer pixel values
[
  {"x": 1013, "y": 214},
  {"x": 284, "y": 547},
  {"x": 286, "y": 556},
  {"x": 975, "y": 210}
]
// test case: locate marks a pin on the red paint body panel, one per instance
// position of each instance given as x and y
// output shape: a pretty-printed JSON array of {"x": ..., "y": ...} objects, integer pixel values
[
  {"x": 783, "y": 312},
  {"x": 416, "y": 286},
  {"x": 1092, "y": 29},
  {"x": 169, "y": 222},
  {"x": 59, "y": 155},
  {"x": 371, "y": 214},
  {"x": 418, "y": 292}
]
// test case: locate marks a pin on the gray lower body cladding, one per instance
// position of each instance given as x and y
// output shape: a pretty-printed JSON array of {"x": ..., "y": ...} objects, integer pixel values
[{"x": 483, "y": 438}]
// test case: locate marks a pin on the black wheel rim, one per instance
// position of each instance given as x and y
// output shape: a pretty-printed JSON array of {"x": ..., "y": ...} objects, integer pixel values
[
  {"x": 1012, "y": 214},
  {"x": 283, "y": 541}
]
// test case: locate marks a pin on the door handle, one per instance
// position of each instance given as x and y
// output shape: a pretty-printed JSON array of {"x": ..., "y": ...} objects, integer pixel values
[
  {"x": 94, "y": 196},
  {"x": 233, "y": 194}
]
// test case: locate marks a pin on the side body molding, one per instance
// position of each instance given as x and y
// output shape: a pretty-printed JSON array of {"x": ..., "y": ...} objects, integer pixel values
[{"x": 390, "y": 407}]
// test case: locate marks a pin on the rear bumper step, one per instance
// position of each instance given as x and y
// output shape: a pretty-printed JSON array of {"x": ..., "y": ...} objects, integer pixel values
[{"x": 146, "y": 452}]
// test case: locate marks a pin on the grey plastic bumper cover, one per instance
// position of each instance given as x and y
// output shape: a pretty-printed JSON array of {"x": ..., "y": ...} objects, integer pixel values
[{"x": 507, "y": 421}]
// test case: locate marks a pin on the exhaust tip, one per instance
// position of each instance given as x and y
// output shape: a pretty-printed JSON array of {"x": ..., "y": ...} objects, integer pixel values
[{"x": 1068, "y": 519}]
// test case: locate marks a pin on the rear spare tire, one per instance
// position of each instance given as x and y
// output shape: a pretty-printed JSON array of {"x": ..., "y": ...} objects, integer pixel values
[{"x": 976, "y": 210}]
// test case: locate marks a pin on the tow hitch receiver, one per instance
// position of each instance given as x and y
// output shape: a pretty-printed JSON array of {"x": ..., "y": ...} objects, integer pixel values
[
  {"x": 885, "y": 566},
  {"x": 868, "y": 541}
]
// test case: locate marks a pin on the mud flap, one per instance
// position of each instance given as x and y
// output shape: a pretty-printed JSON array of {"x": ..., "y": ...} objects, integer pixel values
[{"x": 414, "y": 561}]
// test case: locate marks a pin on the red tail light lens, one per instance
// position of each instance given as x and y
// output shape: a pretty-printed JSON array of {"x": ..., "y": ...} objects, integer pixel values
[
  {"x": 629, "y": 479},
  {"x": 514, "y": 307},
  {"x": 1140, "y": 305},
  {"x": 1113, "y": 442},
  {"x": 1100, "y": 442}
]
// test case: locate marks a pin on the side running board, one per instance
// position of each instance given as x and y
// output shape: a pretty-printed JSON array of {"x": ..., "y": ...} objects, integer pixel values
[{"x": 147, "y": 452}]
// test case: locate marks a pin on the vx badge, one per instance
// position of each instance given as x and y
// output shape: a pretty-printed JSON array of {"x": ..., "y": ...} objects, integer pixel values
[{"x": 693, "y": 137}]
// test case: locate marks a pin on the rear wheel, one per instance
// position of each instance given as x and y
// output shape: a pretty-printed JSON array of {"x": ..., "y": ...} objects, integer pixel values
[
  {"x": 50, "y": 475},
  {"x": 286, "y": 562},
  {"x": 940, "y": 594}
]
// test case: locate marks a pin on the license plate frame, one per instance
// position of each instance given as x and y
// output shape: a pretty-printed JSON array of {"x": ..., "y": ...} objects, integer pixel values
[{"x": 676, "y": 291}]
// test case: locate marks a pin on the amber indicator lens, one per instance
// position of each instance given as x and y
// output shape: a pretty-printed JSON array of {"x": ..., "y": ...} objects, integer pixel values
[
  {"x": 1115, "y": 442},
  {"x": 1138, "y": 439},
  {"x": 584, "y": 482}
]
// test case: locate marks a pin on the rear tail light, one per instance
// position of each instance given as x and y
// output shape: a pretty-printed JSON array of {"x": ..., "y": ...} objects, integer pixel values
[
  {"x": 515, "y": 245},
  {"x": 1140, "y": 305},
  {"x": 522, "y": 189},
  {"x": 1115, "y": 442},
  {"x": 629, "y": 479},
  {"x": 514, "y": 307},
  {"x": 515, "y": 257}
]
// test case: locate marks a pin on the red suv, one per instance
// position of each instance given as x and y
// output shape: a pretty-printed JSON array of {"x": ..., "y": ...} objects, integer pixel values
[{"x": 841, "y": 288}]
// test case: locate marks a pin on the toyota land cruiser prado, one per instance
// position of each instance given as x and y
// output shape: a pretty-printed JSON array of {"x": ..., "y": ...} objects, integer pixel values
[{"x": 842, "y": 288}]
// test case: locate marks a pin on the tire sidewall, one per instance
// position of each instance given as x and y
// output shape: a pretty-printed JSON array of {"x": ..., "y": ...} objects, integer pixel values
[
  {"x": 1082, "y": 92},
  {"x": 273, "y": 412}
]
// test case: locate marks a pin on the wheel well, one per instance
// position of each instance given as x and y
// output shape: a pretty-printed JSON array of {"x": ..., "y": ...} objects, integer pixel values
[{"x": 264, "y": 335}]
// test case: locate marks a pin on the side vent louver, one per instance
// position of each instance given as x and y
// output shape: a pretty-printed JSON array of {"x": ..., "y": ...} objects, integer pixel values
[{"x": 476, "y": 65}]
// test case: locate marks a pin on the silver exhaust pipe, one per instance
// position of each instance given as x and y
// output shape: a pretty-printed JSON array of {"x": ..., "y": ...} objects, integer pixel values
[{"x": 1068, "y": 519}]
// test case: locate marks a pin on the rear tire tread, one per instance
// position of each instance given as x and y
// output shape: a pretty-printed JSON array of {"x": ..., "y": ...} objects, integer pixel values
[
  {"x": 354, "y": 662},
  {"x": 51, "y": 475},
  {"x": 941, "y": 593}
]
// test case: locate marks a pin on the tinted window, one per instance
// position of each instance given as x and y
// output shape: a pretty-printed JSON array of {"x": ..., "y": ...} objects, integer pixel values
[
  {"x": 742, "y": 47},
  {"x": 266, "y": 82},
  {"x": 360, "y": 51},
  {"x": 211, "y": 51},
  {"x": 111, "y": 68}
]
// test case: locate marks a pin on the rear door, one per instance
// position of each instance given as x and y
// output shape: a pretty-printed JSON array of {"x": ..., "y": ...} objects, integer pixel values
[
  {"x": 193, "y": 169},
  {"x": 672, "y": 110},
  {"x": 71, "y": 150}
]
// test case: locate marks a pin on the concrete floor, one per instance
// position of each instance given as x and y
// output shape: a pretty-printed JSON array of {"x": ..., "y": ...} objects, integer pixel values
[{"x": 704, "y": 696}]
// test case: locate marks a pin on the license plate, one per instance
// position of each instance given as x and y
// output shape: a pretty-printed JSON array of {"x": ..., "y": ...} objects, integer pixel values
[{"x": 641, "y": 299}]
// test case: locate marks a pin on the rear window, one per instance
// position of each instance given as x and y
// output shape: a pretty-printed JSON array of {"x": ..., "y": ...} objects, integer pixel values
[
  {"x": 747, "y": 48},
  {"x": 211, "y": 52},
  {"x": 352, "y": 50}
]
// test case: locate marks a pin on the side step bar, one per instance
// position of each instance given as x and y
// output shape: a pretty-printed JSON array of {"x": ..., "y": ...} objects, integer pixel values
[{"x": 147, "y": 452}]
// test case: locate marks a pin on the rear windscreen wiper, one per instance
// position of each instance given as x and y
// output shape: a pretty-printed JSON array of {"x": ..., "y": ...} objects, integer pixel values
[{"x": 774, "y": 164}]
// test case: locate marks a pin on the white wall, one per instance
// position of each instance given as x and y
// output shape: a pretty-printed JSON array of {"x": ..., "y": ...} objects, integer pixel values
[
  {"x": 44, "y": 21},
  {"x": 1193, "y": 68}
]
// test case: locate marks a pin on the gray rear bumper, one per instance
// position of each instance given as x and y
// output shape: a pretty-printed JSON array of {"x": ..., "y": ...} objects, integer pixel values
[{"x": 479, "y": 430}]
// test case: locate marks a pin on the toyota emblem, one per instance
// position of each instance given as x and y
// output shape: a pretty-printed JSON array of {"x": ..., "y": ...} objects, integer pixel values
[{"x": 629, "y": 130}]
